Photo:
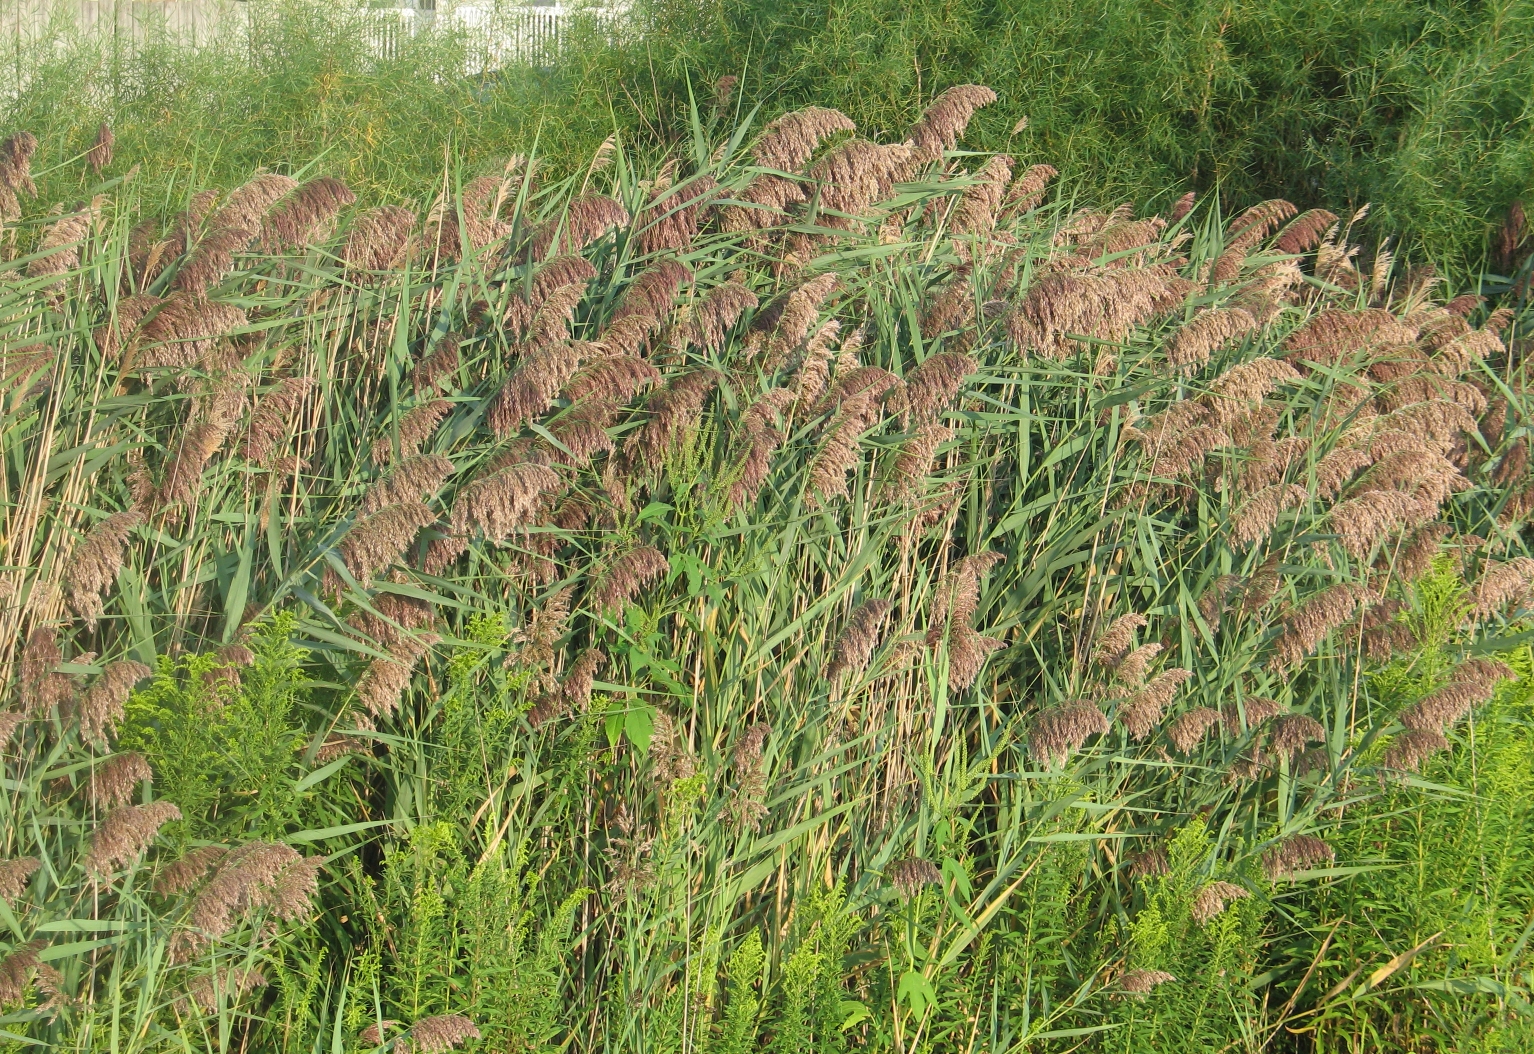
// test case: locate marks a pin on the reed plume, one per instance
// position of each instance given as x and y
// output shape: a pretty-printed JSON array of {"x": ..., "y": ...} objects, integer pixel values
[
  {"x": 10, "y": 721},
  {"x": 377, "y": 540},
  {"x": 614, "y": 378},
  {"x": 762, "y": 437},
  {"x": 392, "y": 618},
  {"x": 911, "y": 875},
  {"x": 274, "y": 418},
  {"x": 587, "y": 220},
  {"x": 434, "y": 1035},
  {"x": 414, "y": 479},
  {"x": 59, "y": 250},
  {"x": 855, "y": 175},
  {"x": 1149, "y": 863},
  {"x": 115, "y": 782},
  {"x": 952, "y": 308},
  {"x": 500, "y": 502},
  {"x": 1248, "y": 714},
  {"x": 125, "y": 834},
  {"x": 858, "y": 640},
  {"x": 42, "y": 687},
  {"x": 415, "y": 428},
  {"x": 789, "y": 141},
  {"x": 1141, "y": 713},
  {"x": 210, "y": 261},
  {"x": 1335, "y": 334},
  {"x": 746, "y": 809},
  {"x": 1117, "y": 641},
  {"x": 790, "y": 320},
  {"x": 912, "y": 462},
  {"x": 1062, "y": 306},
  {"x": 1261, "y": 219},
  {"x": 717, "y": 313},
  {"x": 16, "y": 163},
  {"x": 841, "y": 451},
  {"x": 670, "y": 221},
  {"x": 944, "y": 121},
  {"x": 93, "y": 566},
  {"x": 931, "y": 387},
  {"x": 1211, "y": 899},
  {"x": 625, "y": 576},
  {"x": 1059, "y": 732},
  {"x": 1499, "y": 585},
  {"x": 1304, "y": 232},
  {"x": 1255, "y": 520},
  {"x": 246, "y": 206},
  {"x": 179, "y": 485},
  {"x": 1363, "y": 521},
  {"x": 1138, "y": 984},
  {"x": 379, "y": 240},
  {"x": 385, "y": 680},
  {"x": 102, "y": 708},
  {"x": 534, "y": 385},
  {"x": 673, "y": 411},
  {"x": 1190, "y": 728},
  {"x": 1190, "y": 347},
  {"x": 183, "y": 874},
  {"x": 184, "y": 331},
  {"x": 1294, "y": 853},
  {"x": 979, "y": 205},
  {"x": 16, "y": 968},
  {"x": 1470, "y": 684},
  {"x": 306, "y": 215},
  {"x": 14, "y": 876},
  {"x": 1312, "y": 622},
  {"x": 229, "y": 984},
  {"x": 1408, "y": 750},
  {"x": 653, "y": 290},
  {"x": 438, "y": 366},
  {"x": 1292, "y": 732}
]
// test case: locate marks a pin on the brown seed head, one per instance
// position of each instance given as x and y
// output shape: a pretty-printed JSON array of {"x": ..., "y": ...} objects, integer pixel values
[
  {"x": 102, "y": 707},
  {"x": 625, "y": 576},
  {"x": 940, "y": 127},
  {"x": 1409, "y": 749},
  {"x": 1190, "y": 728},
  {"x": 908, "y": 876},
  {"x": 1139, "y": 983},
  {"x": 1295, "y": 852},
  {"x": 375, "y": 541},
  {"x": 275, "y": 417},
  {"x": 125, "y": 834},
  {"x": 500, "y": 502},
  {"x": 1190, "y": 347},
  {"x": 790, "y": 141},
  {"x": 379, "y": 239},
  {"x": 433, "y": 1035},
  {"x": 1059, "y": 732},
  {"x": 858, "y": 640},
  {"x": 93, "y": 566},
  {"x": 227, "y": 985},
  {"x": 115, "y": 782},
  {"x": 1211, "y": 899},
  {"x": 14, "y": 876},
  {"x": 306, "y": 215},
  {"x": 1142, "y": 712},
  {"x": 1253, "y": 711}
]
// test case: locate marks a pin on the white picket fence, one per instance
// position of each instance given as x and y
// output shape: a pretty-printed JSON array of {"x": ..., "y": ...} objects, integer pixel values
[{"x": 496, "y": 33}]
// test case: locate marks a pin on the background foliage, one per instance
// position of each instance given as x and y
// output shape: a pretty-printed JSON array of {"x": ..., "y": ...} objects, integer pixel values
[{"x": 1420, "y": 108}]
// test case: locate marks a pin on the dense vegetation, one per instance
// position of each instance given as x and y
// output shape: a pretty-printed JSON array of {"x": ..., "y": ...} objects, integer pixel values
[
  {"x": 813, "y": 594},
  {"x": 1420, "y": 107}
]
